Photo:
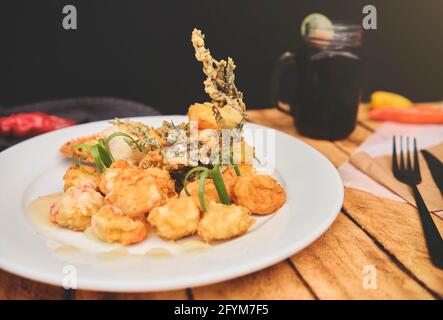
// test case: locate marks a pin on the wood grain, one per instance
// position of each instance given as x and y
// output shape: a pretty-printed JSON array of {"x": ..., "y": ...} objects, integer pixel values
[
  {"x": 276, "y": 282},
  {"x": 371, "y": 231},
  {"x": 394, "y": 224},
  {"x": 398, "y": 228},
  {"x": 334, "y": 266},
  {"x": 281, "y": 121},
  {"x": 322, "y": 264},
  {"x": 164, "y": 295},
  {"x": 13, "y": 287},
  {"x": 357, "y": 137}
]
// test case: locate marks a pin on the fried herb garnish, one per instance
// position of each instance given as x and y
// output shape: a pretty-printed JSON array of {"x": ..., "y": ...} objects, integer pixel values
[{"x": 219, "y": 84}]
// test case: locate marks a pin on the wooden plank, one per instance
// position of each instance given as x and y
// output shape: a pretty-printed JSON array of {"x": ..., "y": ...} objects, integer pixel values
[
  {"x": 283, "y": 122},
  {"x": 394, "y": 224},
  {"x": 163, "y": 295},
  {"x": 276, "y": 282},
  {"x": 335, "y": 267},
  {"x": 357, "y": 137},
  {"x": 333, "y": 270},
  {"x": 13, "y": 287},
  {"x": 321, "y": 273},
  {"x": 398, "y": 228}
]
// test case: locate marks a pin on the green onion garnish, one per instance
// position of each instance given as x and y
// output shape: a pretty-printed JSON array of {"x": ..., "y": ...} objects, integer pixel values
[
  {"x": 201, "y": 190},
  {"x": 220, "y": 185},
  {"x": 101, "y": 153},
  {"x": 216, "y": 176}
]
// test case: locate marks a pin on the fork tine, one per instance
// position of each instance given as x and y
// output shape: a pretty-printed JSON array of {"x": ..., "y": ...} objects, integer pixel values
[
  {"x": 408, "y": 157},
  {"x": 402, "y": 160},
  {"x": 394, "y": 157},
  {"x": 416, "y": 163}
]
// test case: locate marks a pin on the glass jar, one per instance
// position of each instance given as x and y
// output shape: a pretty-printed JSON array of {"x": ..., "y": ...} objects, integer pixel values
[{"x": 328, "y": 73}]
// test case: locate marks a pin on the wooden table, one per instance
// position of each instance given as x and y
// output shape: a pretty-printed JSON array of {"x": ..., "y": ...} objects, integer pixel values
[{"x": 371, "y": 236}]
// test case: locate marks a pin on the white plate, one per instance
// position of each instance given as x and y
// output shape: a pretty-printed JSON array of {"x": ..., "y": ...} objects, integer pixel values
[{"x": 34, "y": 168}]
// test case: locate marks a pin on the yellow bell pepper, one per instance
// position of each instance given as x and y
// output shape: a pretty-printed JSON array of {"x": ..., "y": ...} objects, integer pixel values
[{"x": 384, "y": 99}]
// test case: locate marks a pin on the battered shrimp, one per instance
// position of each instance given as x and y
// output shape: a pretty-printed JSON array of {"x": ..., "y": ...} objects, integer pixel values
[
  {"x": 163, "y": 180},
  {"x": 178, "y": 218},
  {"x": 84, "y": 176},
  {"x": 75, "y": 208},
  {"x": 211, "y": 194},
  {"x": 110, "y": 224},
  {"x": 223, "y": 222},
  {"x": 229, "y": 178},
  {"x": 135, "y": 192},
  {"x": 109, "y": 176},
  {"x": 260, "y": 193}
]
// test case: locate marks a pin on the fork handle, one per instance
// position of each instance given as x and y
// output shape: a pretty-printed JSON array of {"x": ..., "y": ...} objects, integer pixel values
[{"x": 432, "y": 235}]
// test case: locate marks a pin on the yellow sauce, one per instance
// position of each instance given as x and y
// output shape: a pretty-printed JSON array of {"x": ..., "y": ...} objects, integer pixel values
[
  {"x": 89, "y": 234},
  {"x": 158, "y": 253},
  {"x": 39, "y": 213},
  {"x": 38, "y": 209},
  {"x": 112, "y": 254},
  {"x": 194, "y": 245},
  {"x": 66, "y": 249}
]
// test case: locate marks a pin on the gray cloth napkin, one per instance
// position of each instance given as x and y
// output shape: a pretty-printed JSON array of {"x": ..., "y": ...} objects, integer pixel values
[{"x": 81, "y": 110}]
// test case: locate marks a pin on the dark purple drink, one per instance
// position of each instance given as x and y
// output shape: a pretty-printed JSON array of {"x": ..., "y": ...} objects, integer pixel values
[{"x": 328, "y": 73}]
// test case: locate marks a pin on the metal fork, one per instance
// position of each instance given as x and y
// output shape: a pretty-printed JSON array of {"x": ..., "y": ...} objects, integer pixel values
[{"x": 409, "y": 174}]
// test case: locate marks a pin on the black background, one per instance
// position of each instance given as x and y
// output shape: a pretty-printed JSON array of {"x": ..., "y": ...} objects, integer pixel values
[{"x": 141, "y": 50}]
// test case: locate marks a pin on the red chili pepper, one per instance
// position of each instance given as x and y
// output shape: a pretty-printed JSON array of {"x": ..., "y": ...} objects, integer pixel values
[
  {"x": 32, "y": 123},
  {"x": 418, "y": 114}
]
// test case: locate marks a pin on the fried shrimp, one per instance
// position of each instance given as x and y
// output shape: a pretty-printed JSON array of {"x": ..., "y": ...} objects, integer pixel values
[
  {"x": 135, "y": 192},
  {"x": 229, "y": 178},
  {"x": 84, "y": 176},
  {"x": 178, "y": 218},
  {"x": 223, "y": 222},
  {"x": 110, "y": 175},
  {"x": 175, "y": 178},
  {"x": 211, "y": 194},
  {"x": 260, "y": 193},
  {"x": 110, "y": 224},
  {"x": 163, "y": 180},
  {"x": 75, "y": 208}
]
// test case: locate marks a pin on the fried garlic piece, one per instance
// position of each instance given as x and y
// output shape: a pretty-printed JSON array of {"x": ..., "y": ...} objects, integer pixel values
[
  {"x": 110, "y": 224},
  {"x": 203, "y": 114},
  {"x": 222, "y": 222},
  {"x": 176, "y": 219},
  {"x": 260, "y": 193},
  {"x": 119, "y": 146}
]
